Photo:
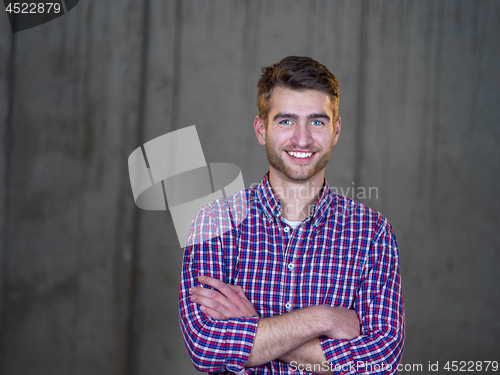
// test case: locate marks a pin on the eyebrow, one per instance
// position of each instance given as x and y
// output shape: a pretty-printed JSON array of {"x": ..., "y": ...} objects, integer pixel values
[{"x": 295, "y": 117}]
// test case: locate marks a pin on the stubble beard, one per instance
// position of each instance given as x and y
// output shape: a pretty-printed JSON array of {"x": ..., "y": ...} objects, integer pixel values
[{"x": 301, "y": 173}]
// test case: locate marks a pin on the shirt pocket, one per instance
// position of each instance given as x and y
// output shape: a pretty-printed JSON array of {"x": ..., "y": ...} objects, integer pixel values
[{"x": 334, "y": 290}]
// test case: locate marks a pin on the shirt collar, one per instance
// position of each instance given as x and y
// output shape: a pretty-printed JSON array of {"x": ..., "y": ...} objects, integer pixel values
[{"x": 272, "y": 205}]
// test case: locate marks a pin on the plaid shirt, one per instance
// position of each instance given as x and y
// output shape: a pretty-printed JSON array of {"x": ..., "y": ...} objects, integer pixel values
[{"x": 344, "y": 254}]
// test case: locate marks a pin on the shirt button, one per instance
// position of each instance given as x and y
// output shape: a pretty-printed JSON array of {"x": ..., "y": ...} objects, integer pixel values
[
  {"x": 286, "y": 229},
  {"x": 288, "y": 306},
  {"x": 290, "y": 266}
]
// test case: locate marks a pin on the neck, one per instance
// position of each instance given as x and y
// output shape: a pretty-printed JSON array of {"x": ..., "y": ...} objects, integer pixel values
[{"x": 297, "y": 197}]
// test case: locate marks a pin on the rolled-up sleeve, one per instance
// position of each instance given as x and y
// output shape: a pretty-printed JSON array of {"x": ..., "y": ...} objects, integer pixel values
[
  {"x": 379, "y": 305},
  {"x": 213, "y": 345}
]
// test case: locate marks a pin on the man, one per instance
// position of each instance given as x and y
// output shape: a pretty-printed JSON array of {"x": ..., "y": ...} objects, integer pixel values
[{"x": 288, "y": 277}]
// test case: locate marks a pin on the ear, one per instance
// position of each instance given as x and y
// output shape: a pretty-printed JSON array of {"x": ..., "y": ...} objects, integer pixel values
[
  {"x": 260, "y": 130},
  {"x": 336, "y": 131}
]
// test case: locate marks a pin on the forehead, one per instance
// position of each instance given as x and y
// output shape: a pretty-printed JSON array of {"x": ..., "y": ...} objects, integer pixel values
[{"x": 299, "y": 101}]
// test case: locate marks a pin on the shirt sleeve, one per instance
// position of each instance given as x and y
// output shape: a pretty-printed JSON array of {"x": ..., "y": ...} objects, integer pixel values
[
  {"x": 379, "y": 305},
  {"x": 213, "y": 345}
]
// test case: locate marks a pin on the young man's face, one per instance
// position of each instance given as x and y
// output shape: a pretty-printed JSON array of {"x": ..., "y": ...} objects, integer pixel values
[{"x": 300, "y": 133}]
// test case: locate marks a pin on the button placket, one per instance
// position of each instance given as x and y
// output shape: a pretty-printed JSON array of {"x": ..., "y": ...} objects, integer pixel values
[{"x": 289, "y": 255}]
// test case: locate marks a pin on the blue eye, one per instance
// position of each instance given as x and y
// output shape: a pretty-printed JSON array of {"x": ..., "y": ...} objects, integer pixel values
[
  {"x": 317, "y": 123},
  {"x": 286, "y": 122}
]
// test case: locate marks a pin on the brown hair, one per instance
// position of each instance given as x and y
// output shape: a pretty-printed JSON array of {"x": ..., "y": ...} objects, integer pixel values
[{"x": 296, "y": 73}]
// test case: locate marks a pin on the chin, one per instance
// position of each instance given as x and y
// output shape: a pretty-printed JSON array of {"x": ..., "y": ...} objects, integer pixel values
[
  {"x": 300, "y": 178},
  {"x": 297, "y": 176}
]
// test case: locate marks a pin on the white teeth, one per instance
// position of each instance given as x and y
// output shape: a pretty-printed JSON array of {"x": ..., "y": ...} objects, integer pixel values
[{"x": 300, "y": 155}]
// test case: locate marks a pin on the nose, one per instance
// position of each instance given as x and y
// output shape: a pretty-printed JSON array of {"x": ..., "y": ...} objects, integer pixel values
[{"x": 302, "y": 136}]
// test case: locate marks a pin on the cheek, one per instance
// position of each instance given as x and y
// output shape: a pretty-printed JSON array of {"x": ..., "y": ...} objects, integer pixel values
[
  {"x": 327, "y": 140},
  {"x": 273, "y": 140}
]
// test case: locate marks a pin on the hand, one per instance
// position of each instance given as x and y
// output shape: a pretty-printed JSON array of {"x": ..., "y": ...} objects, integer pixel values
[{"x": 227, "y": 301}]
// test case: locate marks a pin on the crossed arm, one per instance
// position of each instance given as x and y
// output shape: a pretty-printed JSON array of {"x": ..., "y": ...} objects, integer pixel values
[{"x": 289, "y": 337}]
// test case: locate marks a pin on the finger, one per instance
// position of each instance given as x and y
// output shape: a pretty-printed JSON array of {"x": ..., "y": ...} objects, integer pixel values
[
  {"x": 216, "y": 300},
  {"x": 209, "y": 294},
  {"x": 210, "y": 303},
  {"x": 238, "y": 290},
  {"x": 216, "y": 284},
  {"x": 221, "y": 304},
  {"x": 232, "y": 297},
  {"x": 234, "y": 294},
  {"x": 211, "y": 313}
]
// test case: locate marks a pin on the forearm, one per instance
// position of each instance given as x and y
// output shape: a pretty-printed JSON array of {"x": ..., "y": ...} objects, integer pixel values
[
  {"x": 310, "y": 355},
  {"x": 279, "y": 335}
]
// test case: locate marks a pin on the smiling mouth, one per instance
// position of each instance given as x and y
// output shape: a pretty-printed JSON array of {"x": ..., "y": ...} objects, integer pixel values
[{"x": 300, "y": 155}]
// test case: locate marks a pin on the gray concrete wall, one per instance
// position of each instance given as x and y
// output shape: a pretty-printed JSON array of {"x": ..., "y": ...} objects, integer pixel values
[{"x": 89, "y": 283}]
